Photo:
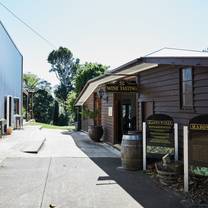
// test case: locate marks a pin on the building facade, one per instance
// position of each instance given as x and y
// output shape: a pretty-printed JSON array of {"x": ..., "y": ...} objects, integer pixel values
[
  {"x": 171, "y": 82},
  {"x": 11, "y": 72}
]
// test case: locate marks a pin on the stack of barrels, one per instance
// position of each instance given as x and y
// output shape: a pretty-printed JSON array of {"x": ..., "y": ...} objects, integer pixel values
[{"x": 131, "y": 151}]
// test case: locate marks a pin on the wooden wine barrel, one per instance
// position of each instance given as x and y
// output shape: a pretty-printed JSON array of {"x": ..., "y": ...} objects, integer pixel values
[{"x": 131, "y": 151}]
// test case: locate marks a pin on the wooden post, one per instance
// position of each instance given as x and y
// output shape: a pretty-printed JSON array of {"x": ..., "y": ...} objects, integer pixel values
[
  {"x": 144, "y": 146},
  {"x": 176, "y": 140},
  {"x": 185, "y": 158}
]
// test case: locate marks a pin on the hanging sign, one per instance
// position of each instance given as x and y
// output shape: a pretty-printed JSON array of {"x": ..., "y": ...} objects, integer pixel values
[
  {"x": 198, "y": 140},
  {"x": 122, "y": 87},
  {"x": 160, "y": 131}
]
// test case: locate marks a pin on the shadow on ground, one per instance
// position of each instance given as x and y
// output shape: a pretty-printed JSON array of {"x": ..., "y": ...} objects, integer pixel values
[{"x": 136, "y": 183}]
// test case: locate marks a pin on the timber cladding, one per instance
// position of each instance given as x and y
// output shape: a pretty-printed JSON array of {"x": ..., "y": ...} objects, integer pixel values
[
  {"x": 107, "y": 121},
  {"x": 159, "y": 93},
  {"x": 161, "y": 86}
]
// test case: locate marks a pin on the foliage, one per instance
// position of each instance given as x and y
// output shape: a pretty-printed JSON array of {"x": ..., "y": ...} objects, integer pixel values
[
  {"x": 71, "y": 98},
  {"x": 44, "y": 85},
  {"x": 72, "y": 77},
  {"x": 203, "y": 171},
  {"x": 30, "y": 81},
  {"x": 63, "y": 119},
  {"x": 56, "y": 113},
  {"x": 61, "y": 92},
  {"x": 86, "y": 72},
  {"x": 87, "y": 113},
  {"x": 65, "y": 68},
  {"x": 43, "y": 106}
]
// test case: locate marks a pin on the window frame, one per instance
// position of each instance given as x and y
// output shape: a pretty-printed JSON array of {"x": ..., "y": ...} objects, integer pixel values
[
  {"x": 16, "y": 105},
  {"x": 182, "y": 94}
]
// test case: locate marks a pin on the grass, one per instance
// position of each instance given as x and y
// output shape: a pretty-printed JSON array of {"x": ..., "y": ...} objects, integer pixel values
[{"x": 50, "y": 126}]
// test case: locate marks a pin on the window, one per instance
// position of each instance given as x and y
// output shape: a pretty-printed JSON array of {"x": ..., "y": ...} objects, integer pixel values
[
  {"x": 16, "y": 105},
  {"x": 186, "y": 88}
]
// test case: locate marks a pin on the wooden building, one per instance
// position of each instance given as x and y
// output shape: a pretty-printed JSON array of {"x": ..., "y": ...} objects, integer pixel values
[{"x": 170, "y": 81}]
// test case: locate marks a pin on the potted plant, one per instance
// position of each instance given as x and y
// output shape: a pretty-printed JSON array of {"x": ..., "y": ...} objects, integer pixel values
[
  {"x": 95, "y": 132},
  {"x": 9, "y": 131}
]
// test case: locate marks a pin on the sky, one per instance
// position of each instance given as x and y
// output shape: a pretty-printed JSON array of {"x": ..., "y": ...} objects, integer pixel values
[{"x": 110, "y": 32}]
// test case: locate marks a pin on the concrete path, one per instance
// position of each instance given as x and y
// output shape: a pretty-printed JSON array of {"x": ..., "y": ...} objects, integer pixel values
[{"x": 66, "y": 175}]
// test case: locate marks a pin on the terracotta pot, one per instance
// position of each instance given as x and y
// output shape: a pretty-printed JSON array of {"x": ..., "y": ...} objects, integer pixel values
[
  {"x": 9, "y": 131},
  {"x": 95, "y": 132}
]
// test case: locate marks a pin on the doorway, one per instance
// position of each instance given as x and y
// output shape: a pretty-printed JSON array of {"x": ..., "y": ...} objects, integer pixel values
[
  {"x": 124, "y": 115},
  {"x": 8, "y": 110}
]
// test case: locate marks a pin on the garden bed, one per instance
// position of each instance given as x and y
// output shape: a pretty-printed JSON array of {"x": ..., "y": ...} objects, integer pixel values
[{"x": 198, "y": 187}]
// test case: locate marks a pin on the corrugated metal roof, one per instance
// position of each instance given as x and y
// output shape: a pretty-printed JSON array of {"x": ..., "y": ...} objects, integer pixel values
[{"x": 177, "y": 52}]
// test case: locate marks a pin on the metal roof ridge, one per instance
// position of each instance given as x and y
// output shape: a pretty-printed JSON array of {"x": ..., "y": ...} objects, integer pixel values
[
  {"x": 172, "y": 48},
  {"x": 10, "y": 38}
]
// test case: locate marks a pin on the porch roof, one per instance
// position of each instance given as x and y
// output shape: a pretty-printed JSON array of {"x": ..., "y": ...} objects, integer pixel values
[{"x": 110, "y": 76}]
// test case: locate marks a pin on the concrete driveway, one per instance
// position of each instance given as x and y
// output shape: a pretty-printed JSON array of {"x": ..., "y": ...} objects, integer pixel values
[{"x": 71, "y": 171}]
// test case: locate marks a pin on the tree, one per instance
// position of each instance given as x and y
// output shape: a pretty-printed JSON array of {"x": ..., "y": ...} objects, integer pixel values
[
  {"x": 87, "y": 72},
  {"x": 45, "y": 85},
  {"x": 30, "y": 81},
  {"x": 40, "y": 99},
  {"x": 71, "y": 98},
  {"x": 84, "y": 73},
  {"x": 43, "y": 106},
  {"x": 61, "y": 92},
  {"x": 56, "y": 113},
  {"x": 65, "y": 68}
]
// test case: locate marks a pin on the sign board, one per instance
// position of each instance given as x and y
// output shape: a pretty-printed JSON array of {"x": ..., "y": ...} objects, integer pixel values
[
  {"x": 198, "y": 141},
  {"x": 122, "y": 87},
  {"x": 160, "y": 134}
]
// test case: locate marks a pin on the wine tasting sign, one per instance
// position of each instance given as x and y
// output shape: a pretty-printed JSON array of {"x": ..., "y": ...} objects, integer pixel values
[
  {"x": 160, "y": 131},
  {"x": 198, "y": 141},
  {"x": 122, "y": 87}
]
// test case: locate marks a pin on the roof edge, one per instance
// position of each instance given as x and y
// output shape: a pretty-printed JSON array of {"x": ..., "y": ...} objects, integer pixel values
[
  {"x": 122, "y": 67},
  {"x": 1, "y": 23}
]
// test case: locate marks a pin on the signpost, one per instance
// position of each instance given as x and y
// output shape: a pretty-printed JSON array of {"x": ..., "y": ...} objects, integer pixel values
[
  {"x": 195, "y": 145},
  {"x": 176, "y": 140},
  {"x": 160, "y": 131},
  {"x": 144, "y": 146},
  {"x": 185, "y": 158},
  {"x": 160, "y": 134},
  {"x": 198, "y": 141}
]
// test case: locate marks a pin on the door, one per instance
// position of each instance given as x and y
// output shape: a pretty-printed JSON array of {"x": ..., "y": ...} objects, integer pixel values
[
  {"x": 124, "y": 114},
  {"x": 117, "y": 119},
  {"x": 126, "y": 118},
  {"x": 8, "y": 110}
]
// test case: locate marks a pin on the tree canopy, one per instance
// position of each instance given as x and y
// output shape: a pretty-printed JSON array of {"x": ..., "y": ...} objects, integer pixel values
[
  {"x": 72, "y": 76},
  {"x": 86, "y": 72},
  {"x": 43, "y": 106},
  {"x": 30, "y": 81},
  {"x": 64, "y": 65}
]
